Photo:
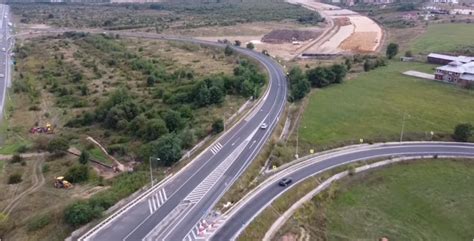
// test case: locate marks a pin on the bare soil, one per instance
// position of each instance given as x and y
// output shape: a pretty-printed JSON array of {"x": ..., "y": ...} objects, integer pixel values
[{"x": 360, "y": 42}]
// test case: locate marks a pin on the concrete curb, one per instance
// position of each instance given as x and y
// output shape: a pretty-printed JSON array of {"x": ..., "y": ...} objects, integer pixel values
[{"x": 278, "y": 224}]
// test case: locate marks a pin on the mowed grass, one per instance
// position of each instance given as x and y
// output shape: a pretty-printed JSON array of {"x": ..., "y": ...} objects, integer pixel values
[
  {"x": 425, "y": 200},
  {"x": 444, "y": 37},
  {"x": 372, "y": 107}
]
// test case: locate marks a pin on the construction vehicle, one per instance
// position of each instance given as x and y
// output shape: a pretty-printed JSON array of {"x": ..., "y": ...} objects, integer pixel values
[
  {"x": 60, "y": 182},
  {"x": 48, "y": 129}
]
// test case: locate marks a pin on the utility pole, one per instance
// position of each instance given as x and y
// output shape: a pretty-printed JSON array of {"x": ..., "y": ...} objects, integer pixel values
[
  {"x": 297, "y": 140},
  {"x": 151, "y": 170}
]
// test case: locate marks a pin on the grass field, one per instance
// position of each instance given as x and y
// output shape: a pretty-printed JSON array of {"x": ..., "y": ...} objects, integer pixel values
[
  {"x": 372, "y": 107},
  {"x": 423, "y": 200},
  {"x": 444, "y": 37},
  {"x": 98, "y": 155}
]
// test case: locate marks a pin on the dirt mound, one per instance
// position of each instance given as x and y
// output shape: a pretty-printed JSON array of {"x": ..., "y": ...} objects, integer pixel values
[
  {"x": 344, "y": 21},
  {"x": 288, "y": 36}
]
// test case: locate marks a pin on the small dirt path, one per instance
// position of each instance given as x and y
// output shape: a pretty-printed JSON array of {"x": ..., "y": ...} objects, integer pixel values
[{"x": 38, "y": 181}]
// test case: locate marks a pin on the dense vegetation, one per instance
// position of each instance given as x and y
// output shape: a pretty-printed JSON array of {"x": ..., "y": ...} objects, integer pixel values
[
  {"x": 138, "y": 106},
  {"x": 160, "y": 16}
]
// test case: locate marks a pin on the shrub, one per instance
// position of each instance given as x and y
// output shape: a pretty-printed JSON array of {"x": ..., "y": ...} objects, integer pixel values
[
  {"x": 38, "y": 222},
  {"x": 16, "y": 158},
  {"x": 14, "y": 178},
  {"x": 79, "y": 213},
  {"x": 462, "y": 132},
  {"x": 84, "y": 157},
  {"x": 78, "y": 173},
  {"x": 218, "y": 126},
  {"x": 58, "y": 145}
]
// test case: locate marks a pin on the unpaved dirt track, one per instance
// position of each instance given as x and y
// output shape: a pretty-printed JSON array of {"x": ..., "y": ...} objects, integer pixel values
[{"x": 38, "y": 181}]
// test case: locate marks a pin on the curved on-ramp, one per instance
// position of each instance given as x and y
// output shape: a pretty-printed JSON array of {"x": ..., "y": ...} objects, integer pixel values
[{"x": 257, "y": 200}]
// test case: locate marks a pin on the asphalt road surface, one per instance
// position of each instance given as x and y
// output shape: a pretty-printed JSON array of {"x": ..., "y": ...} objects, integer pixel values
[
  {"x": 6, "y": 44},
  {"x": 172, "y": 211},
  {"x": 239, "y": 219}
]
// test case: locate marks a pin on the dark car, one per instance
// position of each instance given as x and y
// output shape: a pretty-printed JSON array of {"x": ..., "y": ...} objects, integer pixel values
[{"x": 285, "y": 181}]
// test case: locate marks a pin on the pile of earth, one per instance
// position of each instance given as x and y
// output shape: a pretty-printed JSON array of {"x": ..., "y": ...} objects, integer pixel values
[
  {"x": 288, "y": 36},
  {"x": 344, "y": 21}
]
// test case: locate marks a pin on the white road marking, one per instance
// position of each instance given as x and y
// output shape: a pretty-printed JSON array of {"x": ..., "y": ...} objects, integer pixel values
[
  {"x": 216, "y": 148},
  {"x": 156, "y": 200},
  {"x": 149, "y": 206}
]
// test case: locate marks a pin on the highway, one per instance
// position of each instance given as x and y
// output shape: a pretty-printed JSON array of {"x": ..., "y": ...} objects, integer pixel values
[
  {"x": 174, "y": 208},
  {"x": 6, "y": 45},
  {"x": 267, "y": 192}
]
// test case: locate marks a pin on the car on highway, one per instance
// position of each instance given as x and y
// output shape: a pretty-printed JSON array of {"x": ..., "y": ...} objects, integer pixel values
[
  {"x": 285, "y": 181},
  {"x": 263, "y": 126},
  {"x": 2, "y": 75}
]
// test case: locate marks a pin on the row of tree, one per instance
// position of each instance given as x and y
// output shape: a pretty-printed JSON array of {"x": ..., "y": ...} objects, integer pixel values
[{"x": 300, "y": 83}]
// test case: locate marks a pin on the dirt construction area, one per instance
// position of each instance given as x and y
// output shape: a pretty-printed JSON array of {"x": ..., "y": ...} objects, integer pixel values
[{"x": 351, "y": 32}]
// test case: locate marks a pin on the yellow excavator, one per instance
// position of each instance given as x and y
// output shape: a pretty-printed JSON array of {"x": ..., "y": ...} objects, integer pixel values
[{"x": 60, "y": 182}]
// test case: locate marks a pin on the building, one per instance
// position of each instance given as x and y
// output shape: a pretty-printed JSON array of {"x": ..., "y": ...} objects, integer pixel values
[
  {"x": 444, "y": 59},
  {"x": 456, "y": 72}
]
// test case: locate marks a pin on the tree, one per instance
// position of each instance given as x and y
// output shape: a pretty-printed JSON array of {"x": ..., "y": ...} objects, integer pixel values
[
  {"x": 174, "y": 121},
  {"x": 79, "y": 213},
  {"x": 392, "y": 50},
  {"x": 299, "y": 85},
  {"x": 167, "y": 148},
  {"x": 237, "y": 43},
  {"x": 58, "y": 145},
  {"x": 203, "y": 95},
  {"x": 462, "y": 132},
  {"x": 153, "y": 129},
  {"x": 77, "y": 173},
  {"x": 339, "y": 71},
  {"x": 250, "y": 45},
  {"x": 320, "y": 77},
  {"x": 216, "y": 95},
  {"x": 228, "y": 51},
  {"x": 367, "y": 65},
  {"x": 300, "y": 89},
  {"x": 218, "y": 126},
  {"x": 84, "y": 157}
]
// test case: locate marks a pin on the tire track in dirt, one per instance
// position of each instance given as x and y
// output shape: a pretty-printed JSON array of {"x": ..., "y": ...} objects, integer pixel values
[{"x": 38, "y": 181}]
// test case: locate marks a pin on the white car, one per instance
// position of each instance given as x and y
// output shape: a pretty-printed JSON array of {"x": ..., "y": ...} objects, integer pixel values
[
  {"x": 2, "y": 75},
  {"x": 3, "y": 49},
  {"x": 263, "y": 126}
]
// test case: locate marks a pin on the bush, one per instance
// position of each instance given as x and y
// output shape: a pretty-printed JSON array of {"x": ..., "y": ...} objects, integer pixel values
[
  {"x": 14, "y": 178},
  {"x": 84, "y": 157},
  {"x": 58, "y": 145},
  {"x": 218, "y": 126},
  {"x": 79, "y": 213},
  {"x": 16, "y": 158},
  {"x": 38, "y": 222},
  {"x": 462, "y": 132},
  {"x": 250, "y": 45},
  {"x": 78, "y": 173}
]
